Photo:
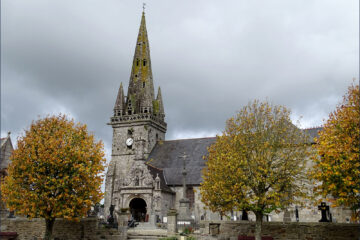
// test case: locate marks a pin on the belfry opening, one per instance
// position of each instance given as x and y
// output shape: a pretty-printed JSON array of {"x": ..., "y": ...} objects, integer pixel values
[{"x": 138, "y": 209}]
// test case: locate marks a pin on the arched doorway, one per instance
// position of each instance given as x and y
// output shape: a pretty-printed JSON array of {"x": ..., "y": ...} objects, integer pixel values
[{"x": 138, "y": 209}]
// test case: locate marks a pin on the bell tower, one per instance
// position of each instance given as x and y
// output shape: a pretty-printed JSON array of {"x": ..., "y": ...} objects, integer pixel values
[{"x": 137, "y": 121}]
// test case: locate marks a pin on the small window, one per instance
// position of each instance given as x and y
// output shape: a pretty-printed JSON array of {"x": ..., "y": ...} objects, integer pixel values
[
  {"x": 135, "y": 75},
  {"x": 145, "y": 110},
  {"x": 157, "y": 137},
  {"x": 144, "y": 62},
  {"x": 129, "y": 112},
  {"x": 130, "y": 132},
  {"x": 137, "y": 63},
  {"x": 143, "y": 84}
]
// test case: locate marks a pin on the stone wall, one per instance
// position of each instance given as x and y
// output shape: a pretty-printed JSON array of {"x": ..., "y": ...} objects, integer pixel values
[
  {"x": 308, "y": 213},
  {"x": 86, "y": 229},
  {"x": 228, "y": 230}
]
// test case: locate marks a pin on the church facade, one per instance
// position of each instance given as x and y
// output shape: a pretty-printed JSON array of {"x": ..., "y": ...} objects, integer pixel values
[{"x": 146, "y": 173}]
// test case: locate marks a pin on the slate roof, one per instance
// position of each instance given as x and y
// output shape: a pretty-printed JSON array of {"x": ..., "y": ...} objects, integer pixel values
[
  {"x": 154, "y": 171},
  {"x": 313, "y": 133},
  {"x": 165, "y": 157}
]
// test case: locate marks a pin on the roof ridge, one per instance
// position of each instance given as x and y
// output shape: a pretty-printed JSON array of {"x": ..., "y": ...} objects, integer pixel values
[
  {"x": 187, "y": 139},
  {"x": 309, "y": 128}
]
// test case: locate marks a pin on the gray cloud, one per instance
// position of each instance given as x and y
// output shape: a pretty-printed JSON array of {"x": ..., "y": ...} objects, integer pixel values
[{"x": 209, "y": 57}]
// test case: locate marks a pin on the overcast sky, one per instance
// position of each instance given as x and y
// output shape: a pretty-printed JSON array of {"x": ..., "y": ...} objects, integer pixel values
[{"x": 210, "y": 58}]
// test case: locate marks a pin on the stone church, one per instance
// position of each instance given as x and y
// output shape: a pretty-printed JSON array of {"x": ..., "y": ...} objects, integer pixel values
[{"x": 146, "y": 173}]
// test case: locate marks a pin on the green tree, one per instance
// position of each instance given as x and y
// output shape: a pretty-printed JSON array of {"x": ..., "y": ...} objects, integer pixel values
[
  {"x": 55, "y": 171},
  {"x": 338, "y": 168},
  {"x": 257, "y": 164}
]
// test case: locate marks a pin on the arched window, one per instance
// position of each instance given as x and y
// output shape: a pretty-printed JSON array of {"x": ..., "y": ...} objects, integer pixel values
[{"x": 144, "y": 62}]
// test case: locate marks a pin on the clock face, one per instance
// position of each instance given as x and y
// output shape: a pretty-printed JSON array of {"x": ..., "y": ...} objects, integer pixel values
[{"x": 129, "y": 141}]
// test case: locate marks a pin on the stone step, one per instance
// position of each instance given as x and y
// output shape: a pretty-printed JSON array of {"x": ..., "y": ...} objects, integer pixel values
[
  {"x": 111, "y": 237},
  {"x": 146, "y": 233},
  {"x": 144, "y": 237},
  {"x": 131, "y": 236}
]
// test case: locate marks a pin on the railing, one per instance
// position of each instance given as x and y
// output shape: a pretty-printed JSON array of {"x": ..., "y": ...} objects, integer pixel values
[{"x": 140, "y": 116}]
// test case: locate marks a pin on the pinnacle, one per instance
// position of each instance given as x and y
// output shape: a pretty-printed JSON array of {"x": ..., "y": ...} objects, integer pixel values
[{"x": 120, "y": 102}]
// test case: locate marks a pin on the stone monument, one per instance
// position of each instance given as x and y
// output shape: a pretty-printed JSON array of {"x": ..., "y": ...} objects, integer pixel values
[{"x": 184, "y": 206}]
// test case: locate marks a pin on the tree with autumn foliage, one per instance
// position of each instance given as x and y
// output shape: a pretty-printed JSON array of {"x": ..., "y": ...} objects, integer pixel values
[
  {"x": 338, "y": 145},
  {"x": 55, "y": 171},
  {"x": 257, "y": 164}
]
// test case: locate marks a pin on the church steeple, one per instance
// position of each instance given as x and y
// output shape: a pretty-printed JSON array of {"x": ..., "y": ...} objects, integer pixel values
[
  {"x": 141, "y": 88},
  {"x": 137, "y": 124},
  {"x": 140, "y": 103}
]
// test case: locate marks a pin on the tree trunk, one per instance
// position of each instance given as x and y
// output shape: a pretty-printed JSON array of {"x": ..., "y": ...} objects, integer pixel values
[
  {"x": 49, "y": 228},
  {"x": 258, "y": 225}
]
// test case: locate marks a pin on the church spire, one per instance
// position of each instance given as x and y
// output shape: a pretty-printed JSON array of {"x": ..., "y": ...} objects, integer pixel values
[
  {"x": 140, "y": 104},
  {"x": 120, "y": 102},
  {"x": 141, "y": 89}
]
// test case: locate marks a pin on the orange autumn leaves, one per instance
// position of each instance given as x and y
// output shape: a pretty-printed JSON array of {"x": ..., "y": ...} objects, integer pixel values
[
  {"x": 257, "y": 164},
  {"x": 55, "y": 170},
  {"x": 338, "y": 168}
]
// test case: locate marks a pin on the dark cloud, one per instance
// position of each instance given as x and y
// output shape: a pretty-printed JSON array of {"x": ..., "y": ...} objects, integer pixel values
[{"x": 209, "y": 57}]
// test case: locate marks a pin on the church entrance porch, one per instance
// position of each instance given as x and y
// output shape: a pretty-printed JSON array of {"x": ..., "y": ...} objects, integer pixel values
[{"x": 138, "y": 209}]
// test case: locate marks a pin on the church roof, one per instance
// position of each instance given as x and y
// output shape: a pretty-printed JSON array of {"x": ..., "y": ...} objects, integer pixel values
[
  {"x": 166, "y": 156},
  {"x": 159, "y": 172},
  {"x": 312, "y": 133}
]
